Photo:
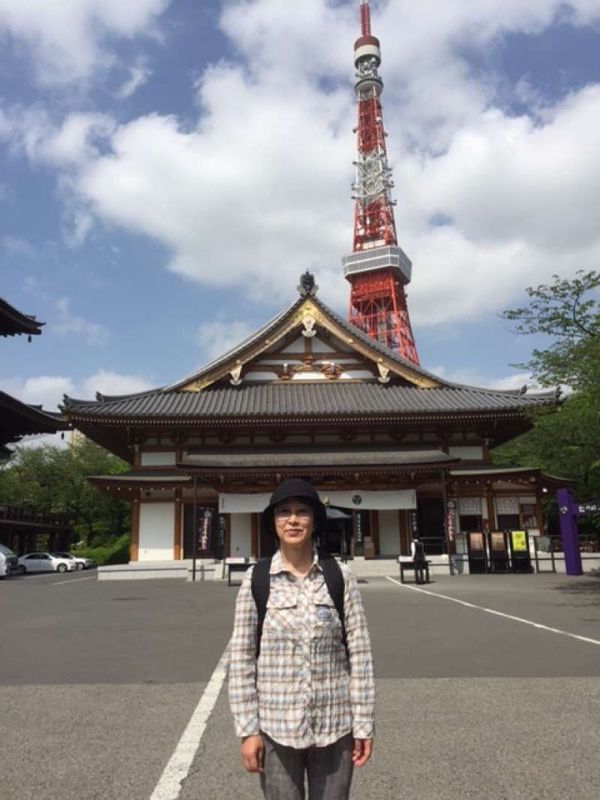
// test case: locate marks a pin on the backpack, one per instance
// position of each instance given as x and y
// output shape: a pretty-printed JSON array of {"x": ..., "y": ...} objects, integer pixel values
[{"x": 261, "y": 586}]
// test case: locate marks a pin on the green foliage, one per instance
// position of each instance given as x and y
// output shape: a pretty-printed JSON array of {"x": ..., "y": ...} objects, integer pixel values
[
  {"x": 115, "y": 553},
  {"x": 569, "y": 312},
  {"x": 52, "y": 479},
  {"x": 567, "y": 442}
]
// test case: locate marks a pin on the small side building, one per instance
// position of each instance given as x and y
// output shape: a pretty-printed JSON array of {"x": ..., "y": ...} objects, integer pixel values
[
  {"x": 20, "y": 528},
  {"x": 393, "y": 448}
]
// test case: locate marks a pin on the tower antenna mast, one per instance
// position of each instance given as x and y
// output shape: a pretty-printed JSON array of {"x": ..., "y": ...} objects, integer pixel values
[{"x": 377, "y": 269}]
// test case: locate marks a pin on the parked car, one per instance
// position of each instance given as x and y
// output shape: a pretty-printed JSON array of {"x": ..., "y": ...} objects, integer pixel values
[
  {"x": 45, "y": 562},
  {"x": 80, "y": 561},
  {"x": 8, "y": 561}
]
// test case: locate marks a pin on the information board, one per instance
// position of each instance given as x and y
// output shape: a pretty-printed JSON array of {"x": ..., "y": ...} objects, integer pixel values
[{"x": 519, "y": 541}]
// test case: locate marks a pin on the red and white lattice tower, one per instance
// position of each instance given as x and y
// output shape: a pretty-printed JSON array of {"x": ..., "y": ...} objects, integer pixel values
[{"x": 378, "y": 269}]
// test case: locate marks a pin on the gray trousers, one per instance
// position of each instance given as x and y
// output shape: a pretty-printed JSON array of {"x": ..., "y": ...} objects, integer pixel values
[{"x": 328, "y": 770}]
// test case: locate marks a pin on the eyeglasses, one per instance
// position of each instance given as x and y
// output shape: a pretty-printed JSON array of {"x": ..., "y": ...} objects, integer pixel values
[{"x": 302, "y": 514}]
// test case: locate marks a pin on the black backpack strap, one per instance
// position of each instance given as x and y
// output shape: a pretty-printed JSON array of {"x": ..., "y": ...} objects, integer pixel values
[
  {"x": 261, "y": 585},
  {"x": 334, "y": 579}
]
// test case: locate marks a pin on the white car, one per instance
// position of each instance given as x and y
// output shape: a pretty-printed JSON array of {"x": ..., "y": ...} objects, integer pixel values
[
  {"x": 44, "y": 562},
  {"x": 80, "y": 561},
  {"x": 8, "y": 561}
]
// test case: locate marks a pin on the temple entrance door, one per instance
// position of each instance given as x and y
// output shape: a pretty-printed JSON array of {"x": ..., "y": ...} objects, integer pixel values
[
  {"x": 337, "y": 538},
  {"x": 430, "y": 516}
]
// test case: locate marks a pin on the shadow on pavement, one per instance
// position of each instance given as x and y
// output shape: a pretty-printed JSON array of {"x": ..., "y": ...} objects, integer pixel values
[{"x": 588, "y": 587}]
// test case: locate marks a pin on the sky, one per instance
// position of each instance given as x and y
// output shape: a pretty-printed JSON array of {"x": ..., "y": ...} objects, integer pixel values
[{"x": 169, "y": 168}]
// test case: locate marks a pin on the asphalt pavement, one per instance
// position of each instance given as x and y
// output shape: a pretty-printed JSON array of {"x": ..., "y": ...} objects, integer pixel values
[{"x": 492, "y": 696}]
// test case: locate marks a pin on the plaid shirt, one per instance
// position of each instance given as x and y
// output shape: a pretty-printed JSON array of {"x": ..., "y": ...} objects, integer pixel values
[{"x": 302, "y": 691}]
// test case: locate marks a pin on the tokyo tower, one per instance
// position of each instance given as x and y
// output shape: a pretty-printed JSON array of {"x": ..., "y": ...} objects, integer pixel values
[{"x": 378, "y": 269}]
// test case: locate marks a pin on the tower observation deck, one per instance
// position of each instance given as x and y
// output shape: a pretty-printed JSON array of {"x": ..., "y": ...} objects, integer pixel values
[{"x": 377, "y": 269}]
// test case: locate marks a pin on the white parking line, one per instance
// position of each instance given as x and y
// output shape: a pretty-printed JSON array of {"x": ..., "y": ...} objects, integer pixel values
[
  {"x": 32, "y": 575},
  {"x": 74, "y": 580},
  {"x": 169, "y": 785},
  {"x": 496, "y": 613}
]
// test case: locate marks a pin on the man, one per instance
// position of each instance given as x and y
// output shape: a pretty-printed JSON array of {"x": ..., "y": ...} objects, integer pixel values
[
  {"x": 302, "y": 698},
  {"x": 417, "y": 551}
]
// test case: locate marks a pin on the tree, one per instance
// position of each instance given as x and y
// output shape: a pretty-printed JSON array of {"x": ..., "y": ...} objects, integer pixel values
[
  {"x": 565, "y": 442},
  {"x": 569, "y": 312},
  {"x": 53, "y": 479}
]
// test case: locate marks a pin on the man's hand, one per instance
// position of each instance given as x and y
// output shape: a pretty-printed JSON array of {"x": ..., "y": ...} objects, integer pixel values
[
  {"x": 253, "y": 750},
  {"x": 361, "y": 752}
]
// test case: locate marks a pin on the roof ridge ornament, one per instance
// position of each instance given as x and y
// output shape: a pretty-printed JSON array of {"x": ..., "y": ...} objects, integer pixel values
[
  {"x": 309, "y": 322},
  {"x": 235, "y": 378},
  {"x": 307, "y": 286},
  {"x": 384, "y": 373}
]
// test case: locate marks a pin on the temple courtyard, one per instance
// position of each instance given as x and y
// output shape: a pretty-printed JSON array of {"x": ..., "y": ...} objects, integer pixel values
[{"x": 488, "y": 686}]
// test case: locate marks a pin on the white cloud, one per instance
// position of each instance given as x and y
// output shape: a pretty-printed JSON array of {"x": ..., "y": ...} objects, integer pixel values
[
  {"x": 472, "y": 377},
  {"x": 68, "y": 39},
  {"x": 67, "y": 144},
  {"x": 114, "y": 383},
  {"x": 44, "y": 390},
  {"x": 67, "y": 324},
  {"x": 258, "y": 189},
  {"x": 139, "y": 74},
  {"x": 218, "y": 336},
  {"x": 48, "y": 390},
  {"x": 18, "y": 246}
]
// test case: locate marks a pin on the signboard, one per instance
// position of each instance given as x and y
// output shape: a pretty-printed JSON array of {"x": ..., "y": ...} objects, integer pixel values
[
  {"x": 358, "y": 527},
  {"x": 204, "y": 526},
  {"x": 477, "y": 552},
  {"x": 414, "y": 525},
  {"x": 519, "y": 541},
  {"x": 451, "y": 519},
  {"x": 497, "y": 541},
  {"x": 476, "y": 543},
  {"x": 521, "y": 558},
  {"x": 222, "y": 531}
]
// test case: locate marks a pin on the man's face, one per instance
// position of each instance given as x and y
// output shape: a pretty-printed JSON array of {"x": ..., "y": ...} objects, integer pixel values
[{"x": 294, "y": 522}]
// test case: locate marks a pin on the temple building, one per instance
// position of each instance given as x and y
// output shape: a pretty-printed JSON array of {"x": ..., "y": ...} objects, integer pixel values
[
  {"x": 394, "y": 448},
  {"x": 19, "y": 419}
]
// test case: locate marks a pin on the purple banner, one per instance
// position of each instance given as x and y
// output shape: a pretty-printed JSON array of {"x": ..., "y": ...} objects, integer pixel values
[{"x": 568, "y": 511}]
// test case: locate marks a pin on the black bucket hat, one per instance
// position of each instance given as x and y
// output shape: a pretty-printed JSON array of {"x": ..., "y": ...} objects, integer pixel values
[{"x": 303, "y": 490}]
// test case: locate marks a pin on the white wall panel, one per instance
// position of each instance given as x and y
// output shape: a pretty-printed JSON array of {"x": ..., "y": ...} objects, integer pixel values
[
  {"x": 389, "y": 533},
  {"x": 235, "y": 504},
  {"x": 468, "y": 453},
  {"x": 157, "y": 523},
  {"x": 158, "y": 459},
  {"x": 297, "y": 346},
  {"x": 240, "y": 532}
]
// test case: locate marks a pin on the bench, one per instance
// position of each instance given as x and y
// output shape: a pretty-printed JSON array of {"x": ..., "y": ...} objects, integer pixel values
[
  {"x": 404, "y": 565},
  {"x": 236, "y": 565}
]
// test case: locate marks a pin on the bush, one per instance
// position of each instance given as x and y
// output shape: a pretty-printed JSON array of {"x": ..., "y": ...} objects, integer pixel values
[{"x": 115, "y": 553}]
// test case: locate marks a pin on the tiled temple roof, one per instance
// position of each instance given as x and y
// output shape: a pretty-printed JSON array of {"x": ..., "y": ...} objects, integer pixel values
[
  {"x": 348, "y": 328},
  {"x": 298, "y": 399},
  {"x": 18, "y": 419},
  {"x": 13, "y": 321},
  {"x": 298, "y": 458}
]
